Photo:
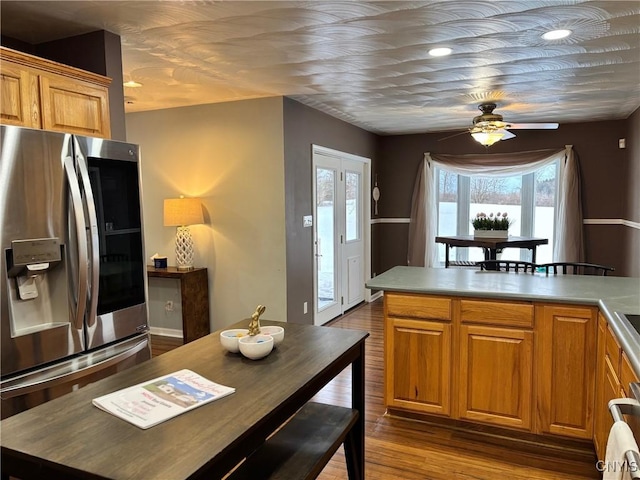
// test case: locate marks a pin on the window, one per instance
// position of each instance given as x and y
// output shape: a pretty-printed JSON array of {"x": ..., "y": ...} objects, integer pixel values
[{"x": 529, "y": 200}]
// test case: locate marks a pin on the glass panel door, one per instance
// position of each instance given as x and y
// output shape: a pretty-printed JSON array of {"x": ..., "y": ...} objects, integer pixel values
[
  {"x": 339, "y": 266},
  {"x": 116, "y": 194},
  {"x": 352, "y": 261},
  {"x": 326, "y": 280}
]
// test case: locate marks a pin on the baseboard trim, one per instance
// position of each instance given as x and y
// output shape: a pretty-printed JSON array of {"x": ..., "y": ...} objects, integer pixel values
[{"x": 165, "y": 332}]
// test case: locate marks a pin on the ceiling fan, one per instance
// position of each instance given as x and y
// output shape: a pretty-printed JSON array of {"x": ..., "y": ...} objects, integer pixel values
[{"x": 489, "y": 127}]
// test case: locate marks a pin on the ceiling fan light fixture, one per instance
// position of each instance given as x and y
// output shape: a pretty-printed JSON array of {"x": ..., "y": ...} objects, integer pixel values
[
  {"x": 556, "y": 34},
  {"x": 487, "y": 138},
  {"x": 440, "y": 52},
  {"x": 132, "y": 84}
]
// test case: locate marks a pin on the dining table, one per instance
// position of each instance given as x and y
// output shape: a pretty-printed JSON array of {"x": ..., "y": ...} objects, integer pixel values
[
  {"x": 70, "y": 438},
  {"x": 490, "y": 246}
]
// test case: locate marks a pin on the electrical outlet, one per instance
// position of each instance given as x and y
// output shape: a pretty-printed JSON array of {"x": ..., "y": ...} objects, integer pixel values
[{"x": 168, "y": 306}]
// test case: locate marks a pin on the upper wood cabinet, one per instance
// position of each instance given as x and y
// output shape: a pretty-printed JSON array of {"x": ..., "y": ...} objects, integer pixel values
[
  {"x": 39, "y": 93},
  {"x": 418, "y": 353},
  {"x": 566, "y": 375}
]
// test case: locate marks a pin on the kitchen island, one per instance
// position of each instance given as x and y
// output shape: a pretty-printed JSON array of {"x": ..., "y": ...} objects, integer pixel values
[
  {"x": 537, "y": 354},
  {"x": 612, "y": 295}
]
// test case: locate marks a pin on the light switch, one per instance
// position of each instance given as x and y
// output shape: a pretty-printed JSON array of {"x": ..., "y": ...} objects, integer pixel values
[{"x": 307, "y": 221}]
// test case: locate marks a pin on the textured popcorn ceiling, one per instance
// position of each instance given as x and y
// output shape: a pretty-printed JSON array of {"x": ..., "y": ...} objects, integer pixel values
[{"x": 367, "y": 62}]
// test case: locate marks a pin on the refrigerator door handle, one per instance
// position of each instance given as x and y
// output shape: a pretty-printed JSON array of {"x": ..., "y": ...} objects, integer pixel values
[
  {"x": 94, "y": 255},
  {"x": 50, "y": 382},
  {"x": 78, "y": 211}
]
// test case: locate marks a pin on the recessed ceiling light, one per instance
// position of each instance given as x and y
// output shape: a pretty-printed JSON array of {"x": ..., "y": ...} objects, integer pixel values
[
  {"x": 556, "y": 34},
  {"x": 132, "y": 84},
  {"x": 440, "y": 52}
]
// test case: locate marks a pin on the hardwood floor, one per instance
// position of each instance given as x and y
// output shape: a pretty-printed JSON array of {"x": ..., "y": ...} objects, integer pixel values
[{"x": 403, "y": 449}]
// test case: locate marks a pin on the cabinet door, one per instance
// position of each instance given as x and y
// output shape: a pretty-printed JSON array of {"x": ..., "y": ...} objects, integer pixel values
[
  {"x": 74, "y": 106},
  {"x": 610, "y": 390},
  {"x": 495, "y": 377},
  {"x": 600, "y": 425},
  {"x": 19, "y": 96},
  {"x": 418, "y": 365},
  {"x": 566, "y": 370}
]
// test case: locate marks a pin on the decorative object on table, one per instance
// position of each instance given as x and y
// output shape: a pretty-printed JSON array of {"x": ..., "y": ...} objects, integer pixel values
[
  {"x": 254, "y": 342},
  {"x": 159, "y": 261},
  {"x": 276, "y": 332},
  {"x": 256, "y": 347},
  {"x": 490, "y": 226},
  {"x": 376, "y": 195},
  {"x": 229, "y": 338},
  {"x": 254, "y": 326},
  {"x": 182, "y": 212}
]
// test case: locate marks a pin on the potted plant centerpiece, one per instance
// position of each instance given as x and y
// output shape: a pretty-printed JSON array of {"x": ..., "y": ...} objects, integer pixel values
[{"x": 490, "y": 226}]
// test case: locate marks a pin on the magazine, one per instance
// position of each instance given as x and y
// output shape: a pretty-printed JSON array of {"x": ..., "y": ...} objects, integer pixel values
[{"x": 150, "y": 403}]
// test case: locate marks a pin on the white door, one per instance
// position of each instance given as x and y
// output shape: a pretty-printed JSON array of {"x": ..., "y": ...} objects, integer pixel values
[{"x": 339, "y": 186}]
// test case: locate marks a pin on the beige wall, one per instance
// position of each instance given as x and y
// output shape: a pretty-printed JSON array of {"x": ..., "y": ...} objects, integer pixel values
[{"x": 230, "y": 155}]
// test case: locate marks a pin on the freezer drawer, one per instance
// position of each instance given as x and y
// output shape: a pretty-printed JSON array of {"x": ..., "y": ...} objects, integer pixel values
[{"x": 29, "y": 390}]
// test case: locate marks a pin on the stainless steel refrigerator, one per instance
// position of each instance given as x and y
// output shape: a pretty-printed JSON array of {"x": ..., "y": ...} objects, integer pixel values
[{"x": 73, "y": 284}]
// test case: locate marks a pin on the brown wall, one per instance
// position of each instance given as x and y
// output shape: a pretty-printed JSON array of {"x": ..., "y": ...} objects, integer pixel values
[
  {"x": 304, "y": 127},
  {"x": 604, "y": 167},
  {"x": 632, "y": 239}
]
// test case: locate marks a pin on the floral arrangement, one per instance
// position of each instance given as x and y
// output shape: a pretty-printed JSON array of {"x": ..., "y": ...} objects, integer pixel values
[{"x": 500, "y": 221}]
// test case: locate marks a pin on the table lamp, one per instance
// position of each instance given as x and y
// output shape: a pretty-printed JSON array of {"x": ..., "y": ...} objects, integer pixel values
[{"x": 182, "y": 212}]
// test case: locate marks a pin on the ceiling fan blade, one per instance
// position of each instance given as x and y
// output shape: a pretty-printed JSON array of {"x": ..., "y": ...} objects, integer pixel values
[
  {"x": 454, "y": 135},
  {"x": 532, "y": 126},
  {"x": 507, "y": 135}
]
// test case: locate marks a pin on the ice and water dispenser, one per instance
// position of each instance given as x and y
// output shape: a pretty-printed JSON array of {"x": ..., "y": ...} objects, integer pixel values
[{"x": 37, "y": 281}]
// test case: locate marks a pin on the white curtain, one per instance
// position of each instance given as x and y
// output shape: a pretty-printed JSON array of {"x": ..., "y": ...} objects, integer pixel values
[{"x": 568, "y": 222}]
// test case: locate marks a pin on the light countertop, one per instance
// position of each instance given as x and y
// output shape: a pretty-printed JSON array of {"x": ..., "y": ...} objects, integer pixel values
[{"x": 613, "y": 295}]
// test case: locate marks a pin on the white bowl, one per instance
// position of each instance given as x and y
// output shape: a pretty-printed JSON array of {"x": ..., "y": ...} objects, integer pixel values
[
  {"x": 256, "y": 346},
  {"x": 229, "y": 338},
  {"x": 276, "y": 332}
]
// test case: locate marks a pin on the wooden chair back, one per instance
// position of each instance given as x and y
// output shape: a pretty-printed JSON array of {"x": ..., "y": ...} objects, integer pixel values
[
  {"x": 516, "y": 266},
  {"x": 576, "y": 268}
]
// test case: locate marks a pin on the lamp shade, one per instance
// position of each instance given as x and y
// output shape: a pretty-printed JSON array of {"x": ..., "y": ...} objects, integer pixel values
[
  {"x": 182, "y": 211},
  {"x": 487, "y": 138}
]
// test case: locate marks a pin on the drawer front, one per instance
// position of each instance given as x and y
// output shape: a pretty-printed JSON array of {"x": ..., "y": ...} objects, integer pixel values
[
  {"x": 511, "y": 314},
  {"x": 612, "y": 350},
  {"x": 417, "y": 306}
]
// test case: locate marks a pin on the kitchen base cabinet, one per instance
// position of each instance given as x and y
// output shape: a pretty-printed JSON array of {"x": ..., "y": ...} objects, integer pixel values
[
  {"x": 614, "y": 375},
  {"x": 566, "y": 359},
  {"x": 419, "y": 365},
  {"x": 521, "y": 365},
  {"x": 607, "y": 385},
  {"x": 418, "y": 353},
  {"x": 495, "y": 376}
]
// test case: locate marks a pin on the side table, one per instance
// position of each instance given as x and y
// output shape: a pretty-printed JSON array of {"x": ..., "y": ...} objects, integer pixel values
[{"x": 194, "y": 295}]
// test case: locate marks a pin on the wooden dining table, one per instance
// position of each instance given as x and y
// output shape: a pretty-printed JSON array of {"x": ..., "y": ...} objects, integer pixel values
[
  {"x": 490, "y": 246},
  {"x": 70, "y": 438}
]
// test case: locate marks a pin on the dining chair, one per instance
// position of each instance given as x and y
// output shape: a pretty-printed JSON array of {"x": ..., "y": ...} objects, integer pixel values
[
  {"x": 516, "y": 266},
  {"x": 576, "y": 268}
]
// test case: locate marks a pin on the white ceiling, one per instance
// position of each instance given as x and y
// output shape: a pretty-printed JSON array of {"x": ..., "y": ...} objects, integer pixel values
[{"x": 367, "y": 62}]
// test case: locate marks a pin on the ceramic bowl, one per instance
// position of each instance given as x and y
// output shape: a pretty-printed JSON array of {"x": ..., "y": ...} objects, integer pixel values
[
  {"x": 256, "y": 346},
  {"x": 276, "y": 332},
  {"x": 229, "y": 338}
]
